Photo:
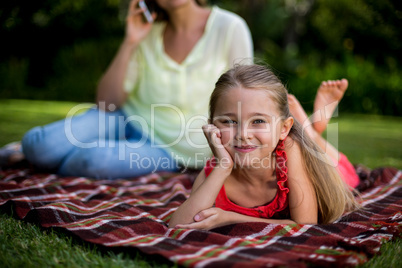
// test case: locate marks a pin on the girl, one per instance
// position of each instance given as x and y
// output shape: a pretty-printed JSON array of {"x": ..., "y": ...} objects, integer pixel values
[{"x": 264, "y": 167}]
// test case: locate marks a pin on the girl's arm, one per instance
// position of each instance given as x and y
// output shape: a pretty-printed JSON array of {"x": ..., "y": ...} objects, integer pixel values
[
  {"x": 215, "y": 217},
  {"x": 202, "y": 196},
  {"x": 302, "y": 200},
  {"x": 302, "y": 197},
  {"x": 204, "y": 190}
]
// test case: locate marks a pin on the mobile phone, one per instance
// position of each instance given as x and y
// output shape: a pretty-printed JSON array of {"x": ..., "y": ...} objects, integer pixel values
[{"x": 147, "y": 14}]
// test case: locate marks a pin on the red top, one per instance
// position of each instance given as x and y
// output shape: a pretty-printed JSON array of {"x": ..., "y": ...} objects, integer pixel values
[{"x": 270, "y": 210}]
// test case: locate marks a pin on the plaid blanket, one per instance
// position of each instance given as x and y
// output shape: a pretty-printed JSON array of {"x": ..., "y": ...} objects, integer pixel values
[{"x": 135, "y": 213}]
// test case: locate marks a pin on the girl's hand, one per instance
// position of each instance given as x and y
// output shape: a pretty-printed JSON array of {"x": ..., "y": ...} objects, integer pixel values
[
  {"x": 136, "y": 28},
  {"x": 208, "y": 219},
  {"x": 222, "y": 156}
]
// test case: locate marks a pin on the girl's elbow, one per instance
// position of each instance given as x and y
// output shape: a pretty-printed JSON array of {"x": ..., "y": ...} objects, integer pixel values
[
  {"x": 173, "y": 222},
  {"x": 306, "y": 221},
  {"x": 176, "y": 219},
  {"x": 172, "y": 225}
]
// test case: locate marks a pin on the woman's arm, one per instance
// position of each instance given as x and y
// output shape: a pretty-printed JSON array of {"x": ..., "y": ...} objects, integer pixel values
[{"x": 110, "y": 88}]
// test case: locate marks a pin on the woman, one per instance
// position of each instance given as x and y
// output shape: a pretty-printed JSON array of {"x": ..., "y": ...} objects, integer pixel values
[{"x": 156, "y": 93}]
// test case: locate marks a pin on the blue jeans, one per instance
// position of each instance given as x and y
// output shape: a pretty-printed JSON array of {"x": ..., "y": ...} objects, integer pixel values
[{"x": 95, "y": 144}]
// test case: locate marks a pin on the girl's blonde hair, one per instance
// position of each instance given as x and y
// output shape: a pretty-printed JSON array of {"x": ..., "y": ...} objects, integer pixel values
[{"x": 334, "y": 197}]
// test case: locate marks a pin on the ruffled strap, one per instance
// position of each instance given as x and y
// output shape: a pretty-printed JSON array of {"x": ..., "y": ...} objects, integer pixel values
[{"x": 281, "y": 168}]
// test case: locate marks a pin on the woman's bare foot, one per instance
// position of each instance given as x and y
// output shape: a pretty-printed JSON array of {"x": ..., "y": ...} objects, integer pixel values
[
  {"x": 11, "y": 154},
  {"x": 328, "y": 96}
]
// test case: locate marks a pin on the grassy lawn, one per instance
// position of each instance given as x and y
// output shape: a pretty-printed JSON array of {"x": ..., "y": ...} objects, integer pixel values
[{"x": 370, "y": 140}]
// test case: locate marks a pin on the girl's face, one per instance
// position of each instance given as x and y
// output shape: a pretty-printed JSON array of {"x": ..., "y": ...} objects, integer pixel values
[{"x": 250, "y": 126}]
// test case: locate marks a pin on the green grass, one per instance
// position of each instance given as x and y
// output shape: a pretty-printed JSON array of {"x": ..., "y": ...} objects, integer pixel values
[
  {"x": 371, "y": 140},
  {"x": 24, "y": 244},
  {"x": 18, "y": 116},
  {"x": 366, "y": 139}
]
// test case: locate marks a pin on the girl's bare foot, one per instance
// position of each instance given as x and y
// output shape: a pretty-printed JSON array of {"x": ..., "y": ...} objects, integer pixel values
[
  {"x": 300, "y": 115},
  {"x": 328, "y": 96}
]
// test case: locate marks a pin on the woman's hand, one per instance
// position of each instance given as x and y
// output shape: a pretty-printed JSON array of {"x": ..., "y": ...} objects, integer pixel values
[
  {"x": 208, "y": 219},
  {"x": 222, "y": 156},
  {"x": 136, "y": 28}
]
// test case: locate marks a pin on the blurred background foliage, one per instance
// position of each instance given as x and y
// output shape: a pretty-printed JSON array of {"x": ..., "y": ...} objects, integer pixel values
[{"x": 58, "y": 50}]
